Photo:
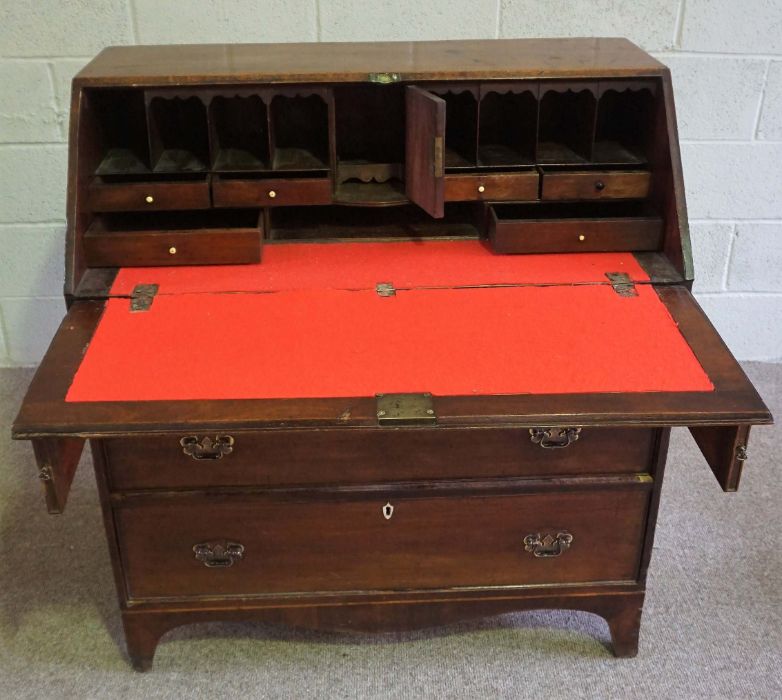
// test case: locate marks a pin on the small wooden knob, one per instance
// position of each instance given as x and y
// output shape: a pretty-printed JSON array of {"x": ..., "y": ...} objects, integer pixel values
[
  {"x": 172, "y": 250},
  {"x": 600, "y": 185},
  {"x": 481, "y": 188},
  {"x": 149, "y": 199},
  {"x": 272, "y": 194}
]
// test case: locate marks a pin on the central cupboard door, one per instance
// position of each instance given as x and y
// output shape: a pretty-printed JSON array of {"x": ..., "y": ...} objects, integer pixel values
[{"x": 424, "y": 150}]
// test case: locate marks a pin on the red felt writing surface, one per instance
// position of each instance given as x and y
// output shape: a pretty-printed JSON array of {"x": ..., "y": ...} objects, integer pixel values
[
  {"x": 404, "y": 264},
  {"x": 335, "y": 343}
]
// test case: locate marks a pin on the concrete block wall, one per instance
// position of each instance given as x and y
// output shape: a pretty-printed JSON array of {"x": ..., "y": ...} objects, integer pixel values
[{"x": 726, "y": 58}]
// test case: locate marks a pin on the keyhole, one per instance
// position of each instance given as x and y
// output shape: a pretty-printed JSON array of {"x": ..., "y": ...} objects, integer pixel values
[{"x": 388, "y": 511}]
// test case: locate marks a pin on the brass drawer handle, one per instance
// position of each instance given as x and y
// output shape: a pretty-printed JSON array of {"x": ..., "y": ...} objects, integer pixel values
[
  {"x": 548, "y": 545},
  {"x": 219, "y": 554},
  {"x": 207, "y": 447},
  {"x": 554, "y": 438}
]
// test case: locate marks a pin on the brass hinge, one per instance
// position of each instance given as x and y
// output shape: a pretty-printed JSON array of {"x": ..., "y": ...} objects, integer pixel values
[
  {"x": 384, "y": 78},
  {"x": 142, "y": 296},
  {"x": 385, "y": 289},
  {"x": 405, "y": 409},
  {"x": 622, "y": 284}
]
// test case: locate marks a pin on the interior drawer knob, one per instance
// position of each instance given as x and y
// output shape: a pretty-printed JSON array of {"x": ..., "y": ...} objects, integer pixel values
[
  {"x": 219, "y": 554},
  {"x": 272, "y": 194},
  {"x": 548, "y": 545},
  {"x": 149, "y": 199},
  {"x": 481, "y": 188},
  {"x": 600, "y": 185},
  {"x": 207, "y": 447},
  {"x": 553, "y": 438}
]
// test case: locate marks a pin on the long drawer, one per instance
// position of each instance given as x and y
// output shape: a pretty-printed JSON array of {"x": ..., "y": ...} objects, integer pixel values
[
  {"x": 375, "y": 455},
  {"x": 242, "y": 545}
]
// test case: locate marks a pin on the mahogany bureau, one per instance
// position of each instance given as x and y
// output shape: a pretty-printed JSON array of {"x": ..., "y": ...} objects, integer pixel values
[{"x": 445, "y": 391}]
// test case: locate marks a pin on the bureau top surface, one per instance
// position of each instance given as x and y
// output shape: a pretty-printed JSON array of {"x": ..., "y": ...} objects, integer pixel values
[{"x": 356, "y": 62}]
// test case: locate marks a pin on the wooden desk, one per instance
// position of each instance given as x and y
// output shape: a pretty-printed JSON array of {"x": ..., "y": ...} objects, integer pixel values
[{"x": 379, "y": 336}]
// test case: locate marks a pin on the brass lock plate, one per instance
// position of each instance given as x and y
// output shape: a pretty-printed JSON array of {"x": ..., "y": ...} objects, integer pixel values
[{"x": 405, "y": 409}]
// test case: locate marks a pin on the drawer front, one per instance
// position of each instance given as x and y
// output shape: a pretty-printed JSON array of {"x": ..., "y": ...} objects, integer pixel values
[
  {"x": 376, "y": 455},
  {"x": 148, "y": 196},
  {"x": 606, "y": 184},
  {"x": 501, "y": 187},
  {"x": 208, "y": 247},
  {"x": 241, "y": 545},
  {"x": 270, "y": 193},
  {"x": 575, "y": 235}
]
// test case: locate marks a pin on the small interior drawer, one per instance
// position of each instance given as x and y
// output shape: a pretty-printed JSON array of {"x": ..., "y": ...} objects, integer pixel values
[
  {"x": 263, "y": 192},
  {"x": 522, "y": 186},
  {"x": 174, "y": 238},
  {"x": 147, "y": 196},
  {"x": 249, "y": 545},
  {"x": 594, "y": 184},
  {"x": 574, "y": 228}
]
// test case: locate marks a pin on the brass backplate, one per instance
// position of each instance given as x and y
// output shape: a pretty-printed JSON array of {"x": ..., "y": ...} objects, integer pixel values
[{"x": 405, "y": 409}]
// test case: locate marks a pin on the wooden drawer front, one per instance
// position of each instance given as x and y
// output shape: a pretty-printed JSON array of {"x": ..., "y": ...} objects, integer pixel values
[
  {"x": 330, "y": 545},
  {"x": 270, "y": 193},
  {"x": 149, "y": 196},
  {"x": 174, "y": 238},
  {"x": 574, "y": 235},
  {"x": 500, "y": 187},
  {"x": 604, "y": 184},
  {"x": 291, "y": 457}
]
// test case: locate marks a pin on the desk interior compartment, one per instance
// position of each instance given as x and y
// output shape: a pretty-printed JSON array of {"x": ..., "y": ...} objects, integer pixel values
[
  {"x": 461, "y": 124},
  {"x": 508, "y": 124},
  {"x": 217, "y": 236},
  {"x": 239, "y": 130},
  {"x": 567, "y": 122},
  {"x": 625, "y": 121},
  {"x": 370, "y": 144},
  {"x": 117, "y": 122},
  {"x": 178, "y": 132},
  {"x": 300, "y": 128},
  {"x": 460, "y": 220},
  {"x": 574, "y": 227}
]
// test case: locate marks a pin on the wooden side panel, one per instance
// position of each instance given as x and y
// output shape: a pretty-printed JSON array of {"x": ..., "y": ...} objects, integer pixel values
[
  {"x": 725, "y": 449},
  {"x": 424, "y": 150},
  {"x": 57, "y": 459}
]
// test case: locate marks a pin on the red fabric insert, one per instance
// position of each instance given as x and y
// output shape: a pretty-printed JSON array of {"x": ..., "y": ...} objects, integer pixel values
[
  {"x": 515, "y": 340},
  {"x": 362, "y": 265}
]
